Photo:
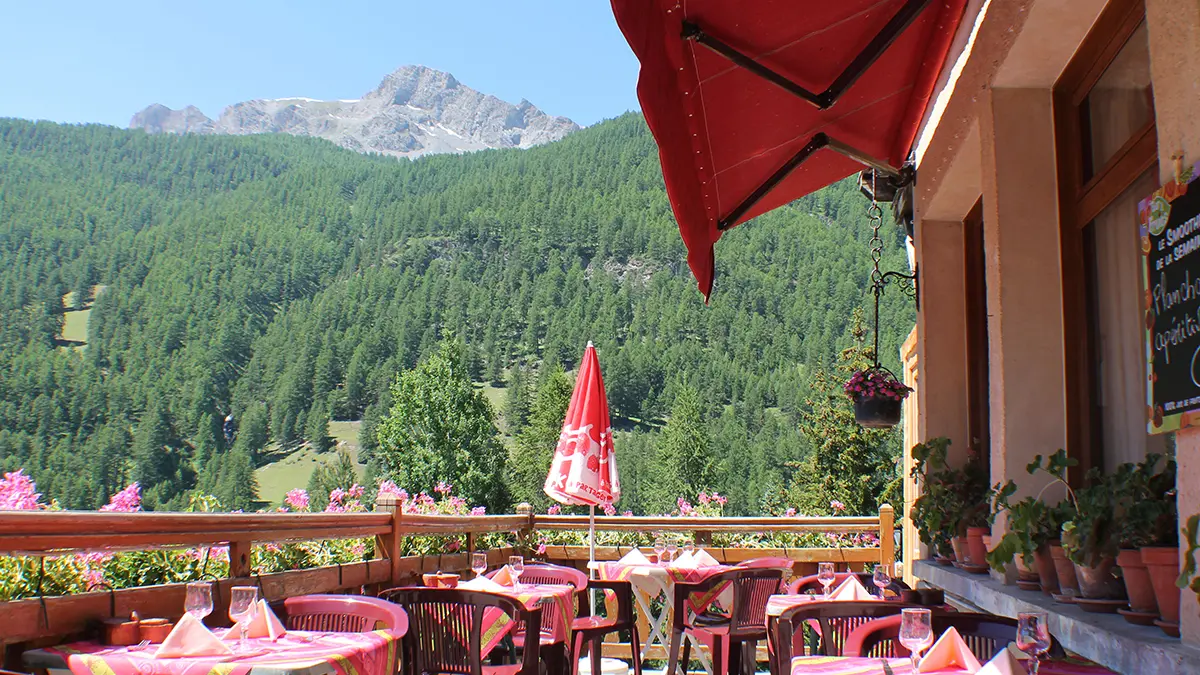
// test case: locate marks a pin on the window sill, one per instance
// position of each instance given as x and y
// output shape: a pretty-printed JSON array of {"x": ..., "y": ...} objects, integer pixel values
[{"x": 1106, "y": 639}]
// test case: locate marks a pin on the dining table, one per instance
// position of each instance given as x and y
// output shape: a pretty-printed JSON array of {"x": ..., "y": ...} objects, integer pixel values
[
  {"x": 295, "y": 653},
  {"x": 557, "y": 602},
  {"x": 861, "y": 665},
  {"x": 655, "y": 581}
]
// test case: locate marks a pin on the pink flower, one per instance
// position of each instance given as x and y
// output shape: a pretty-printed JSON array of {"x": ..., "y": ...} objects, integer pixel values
[
  {"x": 554, "y": 510},
  {"x": 355, "y": 491},
  {"x": 703, "y": 497},
  {"x": 358, "y": 549},
  {"x": 790, "y": 513},
  {"x": 125, "y": 501},
  {"x": 443, "y": 488},
  {"x": 837, "y": 506},
  {"x": 479, "y": 511},
  {"x": 425, "y": 500},
  {"x": 18, "y": 492},
  {"x": 541, "y": 549},
  {"x": 627, "y": 513},
  {"x": 453, "y": 546},
  {"x": 389, "y": 488},
  {"x": 719, "y": 499},
  {"x": 93, "y": 578},
  {"x": 297, "y": 499},
  {"x": 610, "y": 510},
  {"x": 272, "y": 548},
  {"x": 457, "y": 503},
  {"x": 336, "y": 495}
]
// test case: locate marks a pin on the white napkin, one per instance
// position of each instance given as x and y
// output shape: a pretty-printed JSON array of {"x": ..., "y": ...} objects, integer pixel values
[
  {"x": 483, "y": 584},
  {"x": 950, "y": 651},
  {"x": 1003, "y": 663},
  {"x": 634, "y": 557},
  {"x": 189, "y": 637},
  {"x": 703, "y": 559},
  {"x": 851, "y": 589},
  {"x": 264, "y": 624},
  {"x": 685, "y": 560}
]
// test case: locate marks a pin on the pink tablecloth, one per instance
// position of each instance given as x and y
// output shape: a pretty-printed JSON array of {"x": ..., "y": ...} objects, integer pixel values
[
  {"x": 558, "y": 611},
  {"x": 696, "y": 602},
  {"x": 854, "y": 665},
  {"x": 778, "y": 604},
  {"x": 297, "y": 653}
]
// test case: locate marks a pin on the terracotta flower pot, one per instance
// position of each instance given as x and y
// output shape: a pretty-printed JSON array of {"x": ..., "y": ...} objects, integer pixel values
[
  {"x": 1099, "y": 582},
  {"x": 959, "y": 544},
  {"x": 1137, "y": 581},
  {"x": 976, "y": 549},
  {"x": 1163, "y": 565},
  {"x": 1064, "y": 569},
  {"x": 1047, "y": 577}
]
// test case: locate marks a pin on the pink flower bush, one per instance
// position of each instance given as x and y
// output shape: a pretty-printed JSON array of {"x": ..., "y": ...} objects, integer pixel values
[
  {"x": 479, "y": 511},
  {"x": 443, "y": 488},
  {"x": 837, "y": 506},
  {"x": 297, "y": 499},
  {"x": 872, "y": 383},
  {"x": 355, "y": 491},
  {"x": 336, "y": 495},
  {"x": 790, "y": 513},
  {"x": 554, "y": 510},
  {"x": 19, "y": 493},
  {"x": 125, "y": 501},
  {"x": 610, "y": 510}
]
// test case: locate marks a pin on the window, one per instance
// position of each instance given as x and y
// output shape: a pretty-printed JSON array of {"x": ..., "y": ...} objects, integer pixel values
[{"x": 1107, "y": 156}]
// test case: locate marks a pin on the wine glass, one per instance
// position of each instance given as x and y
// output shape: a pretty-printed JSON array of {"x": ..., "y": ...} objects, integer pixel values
[
  {"x": 243, "y": 606},
  {"x": 659, "y": 547},
  {"x": 672, "y": 549},
  {"x": 1033, "y": 636},
  {"x": 478, "y": 563},
  {"x": 517, "y": 564},
  {"x": 882, "y": 579},
  {"x": 826, "y": 576},
  {"x": 198, "y": 602},
  {"x": 916, "y": 632},
  {"x": 689, "y": 548}
]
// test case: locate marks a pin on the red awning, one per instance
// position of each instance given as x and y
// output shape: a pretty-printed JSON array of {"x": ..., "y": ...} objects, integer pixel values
[{"x": 755, "y": 103}]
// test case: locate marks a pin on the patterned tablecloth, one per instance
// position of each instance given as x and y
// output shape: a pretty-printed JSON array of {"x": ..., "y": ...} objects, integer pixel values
[
  {"x": 854, "y": 665},
  {"x": 778, "y": 604},
  {"x": 558, "y": 611},
  {"x": 297, "y": 653}
]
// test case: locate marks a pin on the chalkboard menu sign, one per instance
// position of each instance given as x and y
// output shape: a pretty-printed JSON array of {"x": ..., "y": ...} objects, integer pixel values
[{"x": 1170, "y": 243}]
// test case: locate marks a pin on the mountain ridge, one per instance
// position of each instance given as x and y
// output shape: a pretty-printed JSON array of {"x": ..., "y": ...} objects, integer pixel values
[{"x": 414, "y": 111}]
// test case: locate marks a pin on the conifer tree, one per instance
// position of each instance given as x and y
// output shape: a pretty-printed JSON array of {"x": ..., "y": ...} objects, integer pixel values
[{"x": 530, "y": 457}]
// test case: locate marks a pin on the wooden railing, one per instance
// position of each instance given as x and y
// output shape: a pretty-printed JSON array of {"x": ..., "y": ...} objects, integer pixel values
[{"x": 47, "y": 620}]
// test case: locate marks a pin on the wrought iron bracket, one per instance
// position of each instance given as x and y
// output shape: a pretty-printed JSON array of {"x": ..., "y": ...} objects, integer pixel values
[
  {"x": 819, "y": 141},
  {"x": 849, "y": 75}
]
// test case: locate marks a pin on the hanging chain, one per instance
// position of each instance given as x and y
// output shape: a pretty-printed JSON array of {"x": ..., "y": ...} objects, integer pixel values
[{"x": 875, "y": 215}]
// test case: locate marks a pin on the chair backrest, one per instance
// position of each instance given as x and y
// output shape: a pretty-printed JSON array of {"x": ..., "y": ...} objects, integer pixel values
[
  {"x": 811, "y": 583},
  {"x": 781, "y": 563},
  {"x": 344, "y": 614},
  {"x": 834, "y": 622},
  {"x": 985, "y": 635},
  {"x": 445, "y": 629},
  {"x": 751, "y": 588},
  {"x": 545, "y": 573}
]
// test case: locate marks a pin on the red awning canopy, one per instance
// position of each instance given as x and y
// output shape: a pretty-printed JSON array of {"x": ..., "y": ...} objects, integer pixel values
[{"x": 755, "y": 103}]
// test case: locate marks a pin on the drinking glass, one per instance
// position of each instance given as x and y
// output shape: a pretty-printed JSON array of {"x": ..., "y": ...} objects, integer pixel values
[
  {"x": 689, "y": 548},
  {"x": 198, "y": 602},
  {"x": 478, "y": 563},
  {"x": 672, "y": 549},
  {"x": 826, "y": 576},
  {"x": 916, "y": 632},
  {"x": 1033, "y": 637},
  {"x": 243, "y": 606},
  {"x": 517, "y": 564},
  {"x": 881, "y": 579},
  {"x": 659, "y": 547}
]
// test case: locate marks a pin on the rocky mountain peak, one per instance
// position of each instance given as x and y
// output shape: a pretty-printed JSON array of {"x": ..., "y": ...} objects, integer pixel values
[{"x": 415, "y": 110}]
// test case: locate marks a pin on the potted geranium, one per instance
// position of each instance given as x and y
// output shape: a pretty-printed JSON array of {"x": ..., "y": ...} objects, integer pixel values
[
  {"x": 877, "y": 395},
  {"x": 1033, "y": 526},
  {"x": 1149, "y": 541},
  {"x": 937, "y": 513},
  {"x": 1091, "y": 540},
  {"x": 1188, "y": 577}
]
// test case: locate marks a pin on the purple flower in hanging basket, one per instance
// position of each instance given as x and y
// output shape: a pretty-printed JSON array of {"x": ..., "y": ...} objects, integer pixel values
[{"x": 875, "y": 383}]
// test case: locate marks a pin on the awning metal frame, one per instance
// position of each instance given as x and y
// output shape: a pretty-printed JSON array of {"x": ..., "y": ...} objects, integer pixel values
[{"x": 824, "y": 100}]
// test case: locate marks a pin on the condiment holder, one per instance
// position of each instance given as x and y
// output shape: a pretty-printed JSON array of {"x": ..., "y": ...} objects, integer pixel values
[
  {"x": 440, "y": 580},
  {"x": 155, "y": 630},
  {"x": 120, "y": 632}
]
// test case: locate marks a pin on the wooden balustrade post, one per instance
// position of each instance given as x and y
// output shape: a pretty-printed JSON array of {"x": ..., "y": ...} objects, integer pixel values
[
  {"x": 887, "y": 536},
  {"x": 525, "y": 534},
  {"x": 239, "y": 559},
  {"x": 388, "y": 545}
]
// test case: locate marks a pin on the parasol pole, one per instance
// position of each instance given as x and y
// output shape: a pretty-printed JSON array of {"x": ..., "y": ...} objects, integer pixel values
[{"x": 592, "y": 555}]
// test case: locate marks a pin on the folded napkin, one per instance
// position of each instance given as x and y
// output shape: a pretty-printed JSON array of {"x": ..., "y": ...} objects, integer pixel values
[
  {"x": 189, "y": 637},
  {"x": 504, "y": 576},
  {"x": 703, "y": 559},
  {"x": 634, "y": 557},
  {"x": 949, "y": 652},
  {"x": 851, "y": 589},
  {"x": 264, "y": 625},
  {"x": 685, "y": 560},
  {"x": 1003, "y": 663},
  {"x": 482, "y": 584}
]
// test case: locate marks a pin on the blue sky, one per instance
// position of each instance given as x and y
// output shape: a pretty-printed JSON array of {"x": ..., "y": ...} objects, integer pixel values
[{"x": 103, "y": 61}]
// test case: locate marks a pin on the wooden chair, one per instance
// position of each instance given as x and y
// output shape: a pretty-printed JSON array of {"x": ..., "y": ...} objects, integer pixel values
[
  {"x": 736, "y": 633},
  {"x": 833, "y": 623},
  {"x": 589, "y": 631},
  {"x": 343, "y": 614},
  {"x": 811, "y": 583},
  {"x": 985, "y": 635},
  {"x": 439, "y": 620}
]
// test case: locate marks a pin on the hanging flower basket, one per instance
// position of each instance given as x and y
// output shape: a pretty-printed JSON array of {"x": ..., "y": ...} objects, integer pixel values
[{"x": 877, "y": 395}]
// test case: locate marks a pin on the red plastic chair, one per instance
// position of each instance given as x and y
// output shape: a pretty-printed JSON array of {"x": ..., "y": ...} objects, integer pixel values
[
  {"x": 780, "y": 563},
  {"x": 739, "y": 632},
  {"x": 344, "y": 614},
  {"x": 543, "y": 573},
  {"x": 589, "y": 631},
  {"x": 811, "y": 583},
  {"x": 833, "y": 622},
  {"x": 985, "y": 635},
  {"x": 439, "y": 618}
]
